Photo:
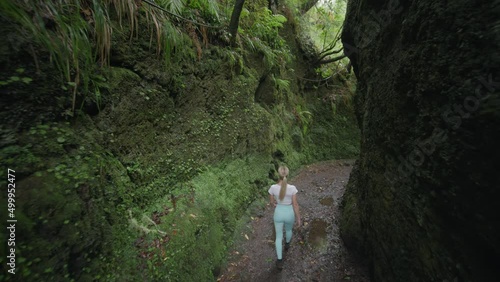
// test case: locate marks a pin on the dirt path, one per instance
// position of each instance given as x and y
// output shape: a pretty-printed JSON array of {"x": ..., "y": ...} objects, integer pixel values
[{"x": 317, "y": 252}]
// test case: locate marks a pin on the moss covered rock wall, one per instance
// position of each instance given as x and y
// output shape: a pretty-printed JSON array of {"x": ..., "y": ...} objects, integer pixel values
[
  {"x": 422, "y": 201},
  {"x": 148, "y": 177}
]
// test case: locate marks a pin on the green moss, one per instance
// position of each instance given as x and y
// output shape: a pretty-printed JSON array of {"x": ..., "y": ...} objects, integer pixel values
[
  {"x": 117, "y": 76},
  {"x": 351, "y": 221},
  {"x": 206, "y": 211},
  {"x": 15, "y": 156}
]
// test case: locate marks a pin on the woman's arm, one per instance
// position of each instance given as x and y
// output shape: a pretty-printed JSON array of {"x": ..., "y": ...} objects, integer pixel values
[
  {"x": 296, "y": 209},
  {"x": 271, "y": 200}
]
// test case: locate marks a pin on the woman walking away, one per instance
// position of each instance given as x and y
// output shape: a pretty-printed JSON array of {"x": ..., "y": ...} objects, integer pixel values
[{"x": 284, "y": 197}]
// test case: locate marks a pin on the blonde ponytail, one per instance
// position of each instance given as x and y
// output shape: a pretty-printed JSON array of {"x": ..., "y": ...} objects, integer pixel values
[{"x": 283, "y": 172}]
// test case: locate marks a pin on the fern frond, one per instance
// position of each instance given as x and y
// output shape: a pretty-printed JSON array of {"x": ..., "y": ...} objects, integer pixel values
[
  {"x": 248, "y": 43},
  {"x": 157, "y": 18},
  {"x": 172, "y": 38},
  {"x": 282, "y": 83},
  {"x": 103, "y": 32},
  {"x": 176, "y": 6},
  {"x": 126, "y": 9},
  {"x": 213, "y": 8}
]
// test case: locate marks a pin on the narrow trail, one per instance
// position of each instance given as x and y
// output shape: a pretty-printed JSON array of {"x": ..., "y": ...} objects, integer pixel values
[{"x": 317, "y": 252}]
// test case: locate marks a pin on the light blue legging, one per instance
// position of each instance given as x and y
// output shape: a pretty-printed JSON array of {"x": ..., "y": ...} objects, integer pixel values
[{"x": 283, "y": 215}]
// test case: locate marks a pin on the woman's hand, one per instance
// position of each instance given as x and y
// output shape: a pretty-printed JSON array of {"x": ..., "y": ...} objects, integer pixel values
[
  {"x": 272, "y": 201},
  {"x": 296, "y": 210}
]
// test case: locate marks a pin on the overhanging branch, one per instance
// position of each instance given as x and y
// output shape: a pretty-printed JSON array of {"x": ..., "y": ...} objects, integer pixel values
[
  {"x": 324, "y": 55},
  {"x": 338, "y": 58}
]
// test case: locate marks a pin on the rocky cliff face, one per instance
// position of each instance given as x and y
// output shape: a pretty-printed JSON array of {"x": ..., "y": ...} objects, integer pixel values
[{"x": 422, "y": 201}]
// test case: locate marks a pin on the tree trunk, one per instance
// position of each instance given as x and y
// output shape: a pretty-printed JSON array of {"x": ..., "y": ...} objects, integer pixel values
[
  {"x": 235, "y": 20},
  {"x": 307, "y": 6},
  {"x": 273, "y": 6}
]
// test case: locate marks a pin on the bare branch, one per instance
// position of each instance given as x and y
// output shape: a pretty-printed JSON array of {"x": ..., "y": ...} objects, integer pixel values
[
  {"x": 328, "y": 51},
  {"x": 323, "y": 55},
  {"x": 338, "y": 58}
]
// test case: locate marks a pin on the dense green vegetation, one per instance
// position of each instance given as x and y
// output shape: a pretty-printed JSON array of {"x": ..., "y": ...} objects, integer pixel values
[{"x": 140, "y": 135}]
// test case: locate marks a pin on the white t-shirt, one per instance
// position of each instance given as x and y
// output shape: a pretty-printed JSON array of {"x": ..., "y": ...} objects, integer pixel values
[{"x": 290, "y": 191}]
